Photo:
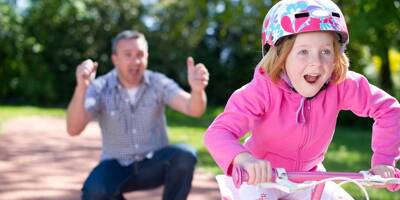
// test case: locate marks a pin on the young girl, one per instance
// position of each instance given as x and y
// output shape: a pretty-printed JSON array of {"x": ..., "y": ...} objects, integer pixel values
[{"x": 291, "y": 105}]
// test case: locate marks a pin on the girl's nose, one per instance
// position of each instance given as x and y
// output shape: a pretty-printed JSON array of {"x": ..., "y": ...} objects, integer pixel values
[{"x": 315, "y": 60}]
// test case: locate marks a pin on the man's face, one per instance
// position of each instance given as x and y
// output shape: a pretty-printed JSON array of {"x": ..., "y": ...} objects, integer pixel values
[{"x": 130, "y": 60}]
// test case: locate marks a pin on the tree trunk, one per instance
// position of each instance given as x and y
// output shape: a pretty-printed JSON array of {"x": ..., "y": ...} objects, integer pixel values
[{"x": 386, "y": 82}]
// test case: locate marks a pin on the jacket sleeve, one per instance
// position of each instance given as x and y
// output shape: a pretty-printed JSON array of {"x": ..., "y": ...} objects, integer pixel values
[
  {"x": 222, "y": 139},
  {"x": 367, "y": 100}
]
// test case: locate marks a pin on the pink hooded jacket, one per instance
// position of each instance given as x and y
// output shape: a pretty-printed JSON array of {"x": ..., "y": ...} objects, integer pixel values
[{"x": 293, "y": 132}]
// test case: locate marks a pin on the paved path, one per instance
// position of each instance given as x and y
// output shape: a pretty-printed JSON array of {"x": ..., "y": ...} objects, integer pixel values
[{"x": 38, "y": 161}]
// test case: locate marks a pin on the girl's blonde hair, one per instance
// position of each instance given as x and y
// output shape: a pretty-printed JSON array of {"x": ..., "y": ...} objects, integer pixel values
[{"x": 274, "y": 61}]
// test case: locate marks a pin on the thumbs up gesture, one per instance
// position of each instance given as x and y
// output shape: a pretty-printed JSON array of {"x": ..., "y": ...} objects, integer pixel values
[
  {"x": 86, "y": 72},
  {"x": 197, "y": 75}
]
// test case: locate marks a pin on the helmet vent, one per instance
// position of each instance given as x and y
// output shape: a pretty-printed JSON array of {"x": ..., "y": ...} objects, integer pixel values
[
  {"x": 300, "y": 15},
  {"x": 335, "y": 14}
]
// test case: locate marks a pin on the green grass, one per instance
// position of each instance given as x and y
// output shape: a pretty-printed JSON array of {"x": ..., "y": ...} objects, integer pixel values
[
  {"x": 349, "y": 151},
  {"x": 8, "y": 112},
  {"x": 183, "y": 129}
]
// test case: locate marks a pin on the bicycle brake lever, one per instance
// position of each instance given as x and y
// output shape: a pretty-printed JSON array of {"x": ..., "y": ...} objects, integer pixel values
[
  {"x": 373, "y": 180},
  {"x": 283, "y": 179}
]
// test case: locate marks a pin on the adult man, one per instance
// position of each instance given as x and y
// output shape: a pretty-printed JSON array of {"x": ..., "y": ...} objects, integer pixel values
[{"x": 128, "y": 102}]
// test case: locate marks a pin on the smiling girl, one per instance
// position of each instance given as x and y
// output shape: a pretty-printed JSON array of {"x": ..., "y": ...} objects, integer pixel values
[{"x": 292, "y": 103}]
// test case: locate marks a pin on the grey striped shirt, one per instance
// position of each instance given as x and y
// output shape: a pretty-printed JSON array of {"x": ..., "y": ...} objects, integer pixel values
[{"x": 131, "y": 131}]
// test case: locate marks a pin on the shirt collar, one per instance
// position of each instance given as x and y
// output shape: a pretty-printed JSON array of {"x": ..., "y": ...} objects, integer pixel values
[
  {"x": 146, "y": 77},
  {"x": 116, "y": 84}
]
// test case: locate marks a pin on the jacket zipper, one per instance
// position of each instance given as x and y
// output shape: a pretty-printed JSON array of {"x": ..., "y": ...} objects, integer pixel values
[{"x": 306, "y": 134}]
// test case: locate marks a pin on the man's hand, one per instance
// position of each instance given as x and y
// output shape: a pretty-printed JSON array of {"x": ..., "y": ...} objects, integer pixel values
[
  {"x": 77, "y": 116},
  {"x": 197, "y": 75},
  {"x": 86, "y": 72}
]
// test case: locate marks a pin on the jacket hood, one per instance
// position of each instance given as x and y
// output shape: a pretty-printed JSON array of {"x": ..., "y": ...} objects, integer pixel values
[{"x": 260, "y": 73}]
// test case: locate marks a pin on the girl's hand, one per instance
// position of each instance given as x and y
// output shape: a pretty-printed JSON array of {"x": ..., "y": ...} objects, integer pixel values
[
  {"x": 259, "y": 171},
  {"x": 386, "y": 171}
]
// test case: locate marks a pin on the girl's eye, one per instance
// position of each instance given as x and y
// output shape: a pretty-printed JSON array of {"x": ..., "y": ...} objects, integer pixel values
[
  {"x": 303, "y": 52},
  {"x": 326, "y": 52}
]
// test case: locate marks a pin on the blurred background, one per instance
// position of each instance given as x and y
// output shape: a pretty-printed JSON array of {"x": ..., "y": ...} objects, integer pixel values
[{"x": 42, "y": 42}]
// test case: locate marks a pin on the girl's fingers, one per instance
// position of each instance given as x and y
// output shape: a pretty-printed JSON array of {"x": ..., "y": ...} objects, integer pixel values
[
  {"x": 264, "y": 173},
  {"x": 259, "y": 171},
  {"x": 252, "y": 175},
  {"x": 269, "y": 172},
  {"x": 383, "y": 170}
]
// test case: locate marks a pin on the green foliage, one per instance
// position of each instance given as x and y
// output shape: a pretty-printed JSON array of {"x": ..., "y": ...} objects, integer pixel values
[
  {"x": 373, "y": 25},
  {"x": 57, "y": 35},
  {"x": 67, "y": 33},
  {"x": 12, "y": 42},
  {"x": 349, "y": 119},
  {"x": 42, "y": 46}
]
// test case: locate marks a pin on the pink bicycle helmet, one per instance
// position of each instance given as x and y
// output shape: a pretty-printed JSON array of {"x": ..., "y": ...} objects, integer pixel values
[{"x": 289, "y": 17}]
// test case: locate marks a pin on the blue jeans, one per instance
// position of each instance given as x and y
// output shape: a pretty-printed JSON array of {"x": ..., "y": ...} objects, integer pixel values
[{"x": 172, "y": 166}]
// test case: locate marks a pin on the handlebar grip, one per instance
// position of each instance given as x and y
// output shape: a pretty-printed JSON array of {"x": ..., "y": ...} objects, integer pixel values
[
  {"x": 239, "y": 175},
  {"x": 395, "y": 187}
]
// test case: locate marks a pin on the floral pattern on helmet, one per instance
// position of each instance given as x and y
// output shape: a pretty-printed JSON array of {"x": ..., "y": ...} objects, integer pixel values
[{"x": 289, "y": 17}]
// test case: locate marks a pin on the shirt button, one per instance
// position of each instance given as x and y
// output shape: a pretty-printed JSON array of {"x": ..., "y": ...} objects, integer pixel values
[{"x": 134, "y": 131}]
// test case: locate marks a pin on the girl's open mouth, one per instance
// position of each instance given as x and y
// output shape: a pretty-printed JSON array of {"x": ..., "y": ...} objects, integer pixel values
[{"x": 311, "y": 78}]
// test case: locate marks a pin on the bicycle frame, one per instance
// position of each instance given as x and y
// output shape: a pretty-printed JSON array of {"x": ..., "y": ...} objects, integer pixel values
[{"x": 295, "y": 180}]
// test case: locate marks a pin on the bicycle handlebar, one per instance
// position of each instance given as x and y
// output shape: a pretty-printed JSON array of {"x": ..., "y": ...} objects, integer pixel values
[{"x": 239, "y": 176}]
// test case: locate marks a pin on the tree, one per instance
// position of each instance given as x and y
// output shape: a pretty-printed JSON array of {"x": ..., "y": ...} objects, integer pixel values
[
  {"x": 13, "y": 42},
  {"x": 53, "y": 36},
  {"x": 66, "y": 32},
  {"x": 223, "y": 34},
  {"x": 375, "y": 24}
]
